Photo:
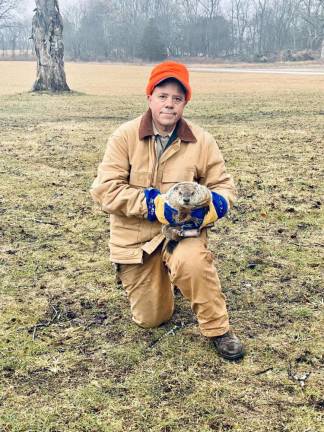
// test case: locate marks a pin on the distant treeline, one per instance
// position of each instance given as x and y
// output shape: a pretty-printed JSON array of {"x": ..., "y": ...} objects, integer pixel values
[{"x": 251, "y": 30}]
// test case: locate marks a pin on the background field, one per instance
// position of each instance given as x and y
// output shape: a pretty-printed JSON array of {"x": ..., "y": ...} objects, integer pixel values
[{"x": 70, "y": 357}]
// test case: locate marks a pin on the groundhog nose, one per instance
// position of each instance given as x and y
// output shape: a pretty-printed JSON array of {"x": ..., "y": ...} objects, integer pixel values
[{"x": 186, "y": 200}]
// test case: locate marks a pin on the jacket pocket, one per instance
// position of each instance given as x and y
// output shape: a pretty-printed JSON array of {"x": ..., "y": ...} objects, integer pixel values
[
  {"x": 125, "y": 255},
  {"x": 171, "y": 177},
  {"x": 139, "y": 178}
]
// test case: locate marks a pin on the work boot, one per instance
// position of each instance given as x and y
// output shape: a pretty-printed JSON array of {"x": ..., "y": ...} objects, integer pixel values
[{"x": 228, "y": 346}]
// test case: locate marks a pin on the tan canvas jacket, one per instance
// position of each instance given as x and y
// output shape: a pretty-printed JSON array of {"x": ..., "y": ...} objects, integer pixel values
[{"x": 129, "y": 166}]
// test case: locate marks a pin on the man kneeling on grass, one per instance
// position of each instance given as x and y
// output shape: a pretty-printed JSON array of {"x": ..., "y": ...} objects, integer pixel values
[{"x": 143, "y": 159}]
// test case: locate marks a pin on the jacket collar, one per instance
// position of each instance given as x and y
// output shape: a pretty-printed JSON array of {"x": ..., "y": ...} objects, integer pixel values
[{"x": 183, "y": 130}]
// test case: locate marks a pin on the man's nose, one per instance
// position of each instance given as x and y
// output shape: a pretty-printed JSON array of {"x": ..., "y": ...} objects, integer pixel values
[{"x": 169, "y": 102}]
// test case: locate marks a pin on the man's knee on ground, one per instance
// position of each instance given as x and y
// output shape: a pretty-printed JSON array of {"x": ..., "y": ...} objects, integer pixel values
[{"x": 147, "y": 321}]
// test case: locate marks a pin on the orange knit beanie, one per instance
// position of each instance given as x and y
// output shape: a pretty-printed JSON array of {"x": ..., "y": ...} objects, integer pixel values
[{"x": 169, "y": 69}]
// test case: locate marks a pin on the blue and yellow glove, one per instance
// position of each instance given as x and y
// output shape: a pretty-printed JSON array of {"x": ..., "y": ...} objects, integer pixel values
[
  {"x": 159, "y": 209},
  {"x": 207, "y": 215},
  {"x": 150, "y": 195}
]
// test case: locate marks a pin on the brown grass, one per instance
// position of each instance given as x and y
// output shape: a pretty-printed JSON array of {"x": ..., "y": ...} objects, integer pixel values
[{"x": 121, "y": 80}]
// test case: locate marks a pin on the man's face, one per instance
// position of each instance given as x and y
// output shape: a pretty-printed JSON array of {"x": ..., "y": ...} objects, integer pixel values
[{"x": 167, "y": 103}]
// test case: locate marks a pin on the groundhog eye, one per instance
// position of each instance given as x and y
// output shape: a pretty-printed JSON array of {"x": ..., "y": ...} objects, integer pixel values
[{"x": 180, "y": 193}]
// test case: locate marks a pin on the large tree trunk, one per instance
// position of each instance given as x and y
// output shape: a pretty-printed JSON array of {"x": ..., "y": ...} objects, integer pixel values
[
  {"x": 47, "y": 34},
  {"x": 322, "y": 50}
]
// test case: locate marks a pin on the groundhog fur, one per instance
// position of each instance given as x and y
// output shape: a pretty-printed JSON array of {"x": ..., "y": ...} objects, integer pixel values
[{"x": 184, "y": 197}]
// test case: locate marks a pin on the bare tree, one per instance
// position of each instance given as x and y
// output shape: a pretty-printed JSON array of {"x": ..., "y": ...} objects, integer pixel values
[
  {"x": 7, "y": 9},
  {"x": 283, "y": 20},
  {"x": 47, "y": 34},
  {"x": 259, "y": 30},
  {"x": 24, "y": 41},
  {"x": 312, "y": 13},
  {"x": 240, "y": 15}
]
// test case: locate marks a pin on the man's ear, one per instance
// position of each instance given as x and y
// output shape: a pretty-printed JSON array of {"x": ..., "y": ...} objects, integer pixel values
[{"x": 149, "y": 98}]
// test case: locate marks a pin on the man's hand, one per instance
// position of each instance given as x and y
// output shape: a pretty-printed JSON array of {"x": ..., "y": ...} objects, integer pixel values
[
  {"x": 158, "y": 208},
  {"x": 207, "y": 215}
]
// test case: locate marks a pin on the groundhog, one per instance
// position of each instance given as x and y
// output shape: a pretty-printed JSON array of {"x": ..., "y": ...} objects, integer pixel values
[{"x": 184, "y": 197}]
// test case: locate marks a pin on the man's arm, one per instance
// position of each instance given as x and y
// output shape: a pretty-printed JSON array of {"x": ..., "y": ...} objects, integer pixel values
[
  {"x": 215, "y": 177},
  {"x": 111, "y": 189}
]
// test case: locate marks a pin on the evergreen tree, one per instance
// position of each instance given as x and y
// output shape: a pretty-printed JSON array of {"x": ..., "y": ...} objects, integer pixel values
[{"x": 152, "y": 47}]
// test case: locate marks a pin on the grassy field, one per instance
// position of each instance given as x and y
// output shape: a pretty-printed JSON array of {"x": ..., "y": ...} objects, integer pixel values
[
  {"x": 70, "y": 357},
  {"x": 120, "y": 80}
]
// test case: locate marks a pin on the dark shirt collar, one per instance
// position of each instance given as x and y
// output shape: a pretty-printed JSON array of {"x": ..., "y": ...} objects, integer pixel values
[
  {"x": 183, "y": 130},
  {"x": 166, "y": 135}
]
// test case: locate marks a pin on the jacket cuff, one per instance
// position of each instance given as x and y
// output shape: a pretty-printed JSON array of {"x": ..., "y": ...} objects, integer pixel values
[{"x": 220, "y": 204}]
